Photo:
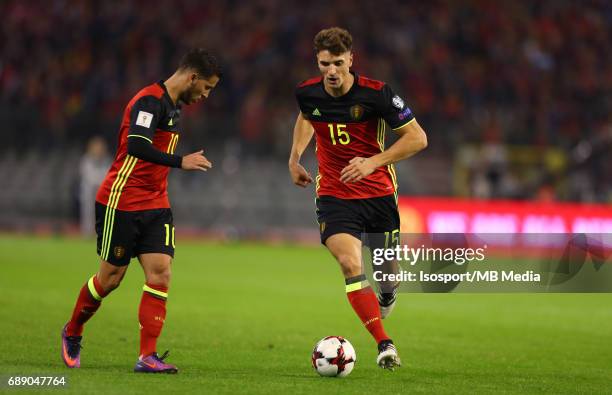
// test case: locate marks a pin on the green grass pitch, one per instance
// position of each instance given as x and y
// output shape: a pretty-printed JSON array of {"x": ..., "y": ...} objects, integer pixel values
[{"x": 243, "y": 318}]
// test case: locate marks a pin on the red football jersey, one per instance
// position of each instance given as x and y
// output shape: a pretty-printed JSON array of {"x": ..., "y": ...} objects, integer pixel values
[
  {"x": 133, "y": 184},
  {"x": 352, "y": 125}
]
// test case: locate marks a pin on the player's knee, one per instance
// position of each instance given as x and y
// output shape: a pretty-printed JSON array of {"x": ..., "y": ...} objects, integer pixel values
[
  {"x": 160, "y": 276},
  {"x": 349, "y": 264},
  {"x": 111, "y": 281},
  {"x": 110, "y": 276},
  {"x": 113, "y": 284}
]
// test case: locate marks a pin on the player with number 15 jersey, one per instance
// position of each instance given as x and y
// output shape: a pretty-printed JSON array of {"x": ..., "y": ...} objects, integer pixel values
[{"x": 356, "y": 186}]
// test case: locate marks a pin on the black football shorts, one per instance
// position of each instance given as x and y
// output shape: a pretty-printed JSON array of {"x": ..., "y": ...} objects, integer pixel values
[
  {"x": 357, "y": 216},
  {"x": 123, "y": 235}
]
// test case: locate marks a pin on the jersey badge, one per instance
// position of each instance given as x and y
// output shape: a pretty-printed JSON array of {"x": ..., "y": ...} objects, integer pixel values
[
  {"x": 316, "y": 112},
  {"x": 356, "y": 112}
]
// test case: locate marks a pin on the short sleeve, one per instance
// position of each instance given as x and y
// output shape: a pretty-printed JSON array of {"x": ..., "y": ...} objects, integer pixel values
[
  {"x": 144, "y": 117},
  {"x": 301, "y": 102},
  {"x": 393, "y": 108}
]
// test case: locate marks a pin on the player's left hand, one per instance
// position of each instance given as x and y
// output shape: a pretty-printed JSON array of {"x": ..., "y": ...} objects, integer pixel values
[{"x": 357, "y": 169}]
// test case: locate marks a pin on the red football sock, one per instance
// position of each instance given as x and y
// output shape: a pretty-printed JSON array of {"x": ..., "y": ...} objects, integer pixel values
[
  {"x": 87, "y": 304},
  {"x": 364, "y": 302},
  {"x": 151, "y": 314}
]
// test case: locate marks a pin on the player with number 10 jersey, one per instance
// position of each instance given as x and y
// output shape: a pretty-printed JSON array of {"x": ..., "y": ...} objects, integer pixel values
[{"x": 133, "y": 216}]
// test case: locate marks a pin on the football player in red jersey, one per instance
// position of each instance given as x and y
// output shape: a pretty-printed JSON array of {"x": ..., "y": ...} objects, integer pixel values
[
  {"x": 133, "y": 216},
  {"x": 356, "y": 185}
]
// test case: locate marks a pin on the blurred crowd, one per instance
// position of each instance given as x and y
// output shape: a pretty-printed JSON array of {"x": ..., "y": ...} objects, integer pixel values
[{"x": 524, "y": 72}]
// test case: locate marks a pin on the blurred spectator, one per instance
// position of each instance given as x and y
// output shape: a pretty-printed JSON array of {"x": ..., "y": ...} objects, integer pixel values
[
  {"x": 92, "y": 169},
  {"x": 542, "y": 69}
]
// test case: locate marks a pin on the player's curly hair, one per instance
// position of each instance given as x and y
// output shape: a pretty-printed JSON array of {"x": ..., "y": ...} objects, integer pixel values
[
  {"x": 202, "y": 61},
  {"x": 335, "y": 39}
]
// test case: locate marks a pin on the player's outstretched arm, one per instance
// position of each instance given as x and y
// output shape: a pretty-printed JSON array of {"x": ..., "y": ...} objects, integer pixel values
[
  {"x": 412, "y": 140},
  {"x": 141, "y": 148},
  {"x": 302, "y": 134},
  {"x": 195, "y": 161}
]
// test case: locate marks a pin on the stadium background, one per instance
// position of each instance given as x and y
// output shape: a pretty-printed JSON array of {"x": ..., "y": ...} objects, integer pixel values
[{"x": 515, "y": 98}]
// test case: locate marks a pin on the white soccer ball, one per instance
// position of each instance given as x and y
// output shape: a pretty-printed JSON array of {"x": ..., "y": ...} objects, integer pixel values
[{"x": 333, "y": 356}]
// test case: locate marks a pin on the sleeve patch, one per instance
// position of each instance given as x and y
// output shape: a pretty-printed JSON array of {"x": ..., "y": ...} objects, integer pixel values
[
  {"x": 405, "y": 114},
  {"x": 144, "y": 119},
  {"x": 397, "y": 102}
]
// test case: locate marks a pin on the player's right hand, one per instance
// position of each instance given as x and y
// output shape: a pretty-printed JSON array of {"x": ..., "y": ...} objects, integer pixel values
[
  {"x": 299, "y": 175},
  {"x": 195, "y": 161}
]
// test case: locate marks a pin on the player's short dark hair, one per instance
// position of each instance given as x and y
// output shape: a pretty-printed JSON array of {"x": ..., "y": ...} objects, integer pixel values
[
  {"x": 335, "y": 39},
  {"x": 202, "y": 61}
]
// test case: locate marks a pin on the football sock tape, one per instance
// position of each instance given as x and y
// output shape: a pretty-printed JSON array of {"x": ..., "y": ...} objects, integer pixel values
[{"x": 356, "y": 283}]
